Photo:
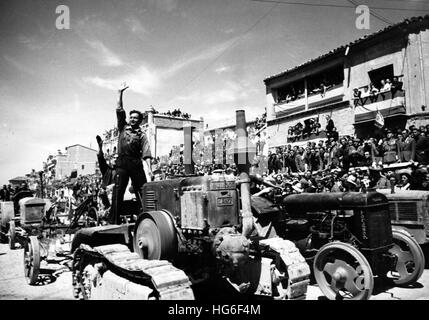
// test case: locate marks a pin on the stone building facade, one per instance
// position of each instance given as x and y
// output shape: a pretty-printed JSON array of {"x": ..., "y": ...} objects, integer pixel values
[
  {"x": 402, "y": 50},
  {"x": 78, "y": 158}
]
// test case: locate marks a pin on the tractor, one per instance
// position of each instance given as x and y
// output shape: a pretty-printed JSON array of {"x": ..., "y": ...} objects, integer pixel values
[
  {"x": 193, "y": 238},
  {"x": 347, "y": 237}
]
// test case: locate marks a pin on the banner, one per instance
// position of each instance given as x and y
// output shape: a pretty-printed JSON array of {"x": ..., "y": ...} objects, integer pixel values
[{"x": 379, "y": 120}]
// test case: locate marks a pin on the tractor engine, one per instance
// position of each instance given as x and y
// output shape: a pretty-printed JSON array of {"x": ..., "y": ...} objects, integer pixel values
[{"x": 197, "y": 204}]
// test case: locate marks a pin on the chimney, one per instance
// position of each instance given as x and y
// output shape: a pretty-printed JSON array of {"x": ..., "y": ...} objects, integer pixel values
[{"x": 188, "y": 148}]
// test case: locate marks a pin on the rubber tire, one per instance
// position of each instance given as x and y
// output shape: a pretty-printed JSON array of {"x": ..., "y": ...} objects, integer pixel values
[
  {"x": 12, "y": 235},
  {"x": 32, "y": 274},
  {"x": 418, "y": 257},
  {"x": 323, "y": 284}
]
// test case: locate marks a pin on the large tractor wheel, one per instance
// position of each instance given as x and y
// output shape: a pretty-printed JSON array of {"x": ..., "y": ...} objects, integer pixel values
[
  {"x": 12, "y": 235},
  {"x": 32, "y": 260},
  {"x": 155, "y": 236},
  {"x": 342, "y": 272},
  {"x": 410, "y": 260}
]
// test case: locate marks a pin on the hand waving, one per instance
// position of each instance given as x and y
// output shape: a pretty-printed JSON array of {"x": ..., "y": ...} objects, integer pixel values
[{"x": 123, "y": 87}]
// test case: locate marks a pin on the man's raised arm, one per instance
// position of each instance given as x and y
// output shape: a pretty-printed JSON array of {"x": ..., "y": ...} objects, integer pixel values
[{"x": 120, "y": 112}]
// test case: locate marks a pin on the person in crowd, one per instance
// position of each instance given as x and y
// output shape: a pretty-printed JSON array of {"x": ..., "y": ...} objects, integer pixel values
[
  {"x": 4, "y": 194},
  {"x": 355, "y": 153},
  {"x": 404, "y": 183},
  {"x": 313, "y": 160},
  {"x": 11, "y": 191},
  {"x": 343, "y": 154},
  {"x": 407, "y": 147},
  {"x": 422, "y": 147},
  {"x": 425, "y": 183},
  {"x": 390, "y": 149}
]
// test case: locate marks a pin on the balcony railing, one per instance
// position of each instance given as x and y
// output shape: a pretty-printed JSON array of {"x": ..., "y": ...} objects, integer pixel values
[
  {"x": 388, "y": 103},
  {"x": 332, "y": 95}
]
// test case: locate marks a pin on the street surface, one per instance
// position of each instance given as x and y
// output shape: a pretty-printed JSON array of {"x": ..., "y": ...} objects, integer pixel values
[{"x": 13, "y": 285}]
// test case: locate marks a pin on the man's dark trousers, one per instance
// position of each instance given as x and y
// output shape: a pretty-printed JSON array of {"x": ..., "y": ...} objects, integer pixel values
[{"x": 127, "y": 167}]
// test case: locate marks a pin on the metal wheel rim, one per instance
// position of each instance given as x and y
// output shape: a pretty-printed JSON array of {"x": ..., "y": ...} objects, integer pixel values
[
  {"x": 155, "y": 236},
  {"x": 343, "y": 279},
  {"x": 31, "y": 260},
  {"x": 410, "y": 263},
  {"x": 147, "y": 240}
]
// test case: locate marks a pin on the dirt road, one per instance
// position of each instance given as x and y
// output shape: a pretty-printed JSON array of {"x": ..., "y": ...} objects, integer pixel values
[{"x": 13, "y": 285}]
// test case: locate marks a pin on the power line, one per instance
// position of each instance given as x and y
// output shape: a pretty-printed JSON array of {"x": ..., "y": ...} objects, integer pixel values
[
  {"x": 335, "y": 5},
  {"x": 226, "y": 49}
]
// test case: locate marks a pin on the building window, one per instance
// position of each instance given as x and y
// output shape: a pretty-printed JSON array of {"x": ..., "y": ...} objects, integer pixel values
[
  {"x": 321, "y": 82},
  {"x": 380, "y": 76},
  {"x": 83, "y": 167},
  {"x": 291, "y": 92},
  {"x": 317, "y": 83}
]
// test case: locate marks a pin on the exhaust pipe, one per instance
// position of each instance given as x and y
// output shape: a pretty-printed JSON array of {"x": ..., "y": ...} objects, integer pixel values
[
  {"x": 242, "y": 161},
  {"x": 188, "y": 148}
]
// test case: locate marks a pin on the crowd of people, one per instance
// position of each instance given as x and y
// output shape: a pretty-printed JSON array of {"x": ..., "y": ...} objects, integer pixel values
[
  {"x": 371, "y": 91},
  {"x": 7, "y": 192},
  {"x": 175, "y": 113},
  {"x": 351, "y": 163}
]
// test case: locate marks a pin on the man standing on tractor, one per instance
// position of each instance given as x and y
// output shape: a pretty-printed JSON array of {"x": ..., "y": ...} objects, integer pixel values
[{"x": 133, "y": 151}]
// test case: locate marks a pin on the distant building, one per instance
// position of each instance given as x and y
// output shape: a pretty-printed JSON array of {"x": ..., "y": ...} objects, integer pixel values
[
  {"x": 335, "y": 85},
  {"x": 164, "y": 132},
  {"x": 78, "y": 158}
]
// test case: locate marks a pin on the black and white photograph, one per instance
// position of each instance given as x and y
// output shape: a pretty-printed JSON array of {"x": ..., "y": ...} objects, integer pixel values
[{"x": 242, "y": 151}]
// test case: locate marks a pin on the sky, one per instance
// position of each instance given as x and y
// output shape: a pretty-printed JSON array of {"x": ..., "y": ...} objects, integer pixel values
[{"x": 58, "y": 87}]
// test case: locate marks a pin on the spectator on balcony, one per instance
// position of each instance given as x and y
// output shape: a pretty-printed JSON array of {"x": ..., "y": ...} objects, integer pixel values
[
  {"x": 323, "y": 88},
  {"x": 294, "y": 94},
  {"x": 385, "y": 85},
  {"x": 365, "y": 93},
  {"x": 373, "y": 92},
  {"x": 396, "y": 85},
  {"x": 356, "y": 96}
]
